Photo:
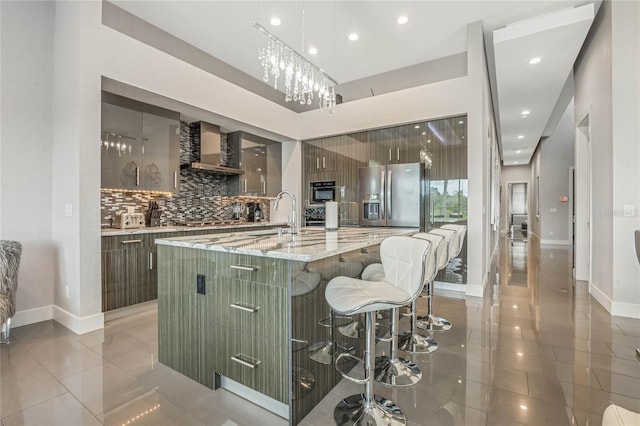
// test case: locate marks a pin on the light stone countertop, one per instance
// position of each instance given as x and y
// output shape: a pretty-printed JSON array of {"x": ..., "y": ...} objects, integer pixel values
[
  {"x": 308, "y": 245},
  {"x": 107, "y": 232}
]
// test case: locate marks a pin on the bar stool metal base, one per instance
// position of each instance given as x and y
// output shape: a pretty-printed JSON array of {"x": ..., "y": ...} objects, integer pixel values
[
  {"x": 303, "y": 381},
  {"x": 433, "y": 323},
  {"x": 353, "y": 411},
  {"x": 322, "y": 352},
  {"x": 397, "y": 373},
  {"x": 356, "y": 330},
  {"x": 416, "y": 343}
]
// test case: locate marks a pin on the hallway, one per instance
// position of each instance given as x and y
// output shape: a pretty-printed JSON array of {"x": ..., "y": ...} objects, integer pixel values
[{"x": 536, "y": 350}]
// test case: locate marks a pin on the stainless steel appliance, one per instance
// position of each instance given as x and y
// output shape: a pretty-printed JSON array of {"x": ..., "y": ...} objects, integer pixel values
[
  {"x": 322, "y": 191},
  {"x": 129, "y": 221},
  {"x": 314, "y": 216},
  {"x": 391, "y": 195}
]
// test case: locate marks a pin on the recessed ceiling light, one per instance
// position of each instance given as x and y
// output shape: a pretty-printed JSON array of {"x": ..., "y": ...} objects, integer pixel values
[
  {"x": 522, "y": 406},
  {"x": 428, "y": 140},
  {"x": 461, "y": 122},
  {"x": 417, "y": 126},
  {"x": 526, "y": 112},
  {"x": 520, "y": 354},
  {"x": 275, "y": 21},
  {"x": 519, "y": 136},
  {"x": 424, "y": 133},
  {"x": 518, "y": 152},
  {"x": 353, "y": 36},
  {"x": 516, "y": 162},
  {"x": 402, "y": 20},
  {"x": 535, "y": 60},
  {"x": 313, "y": 51}
]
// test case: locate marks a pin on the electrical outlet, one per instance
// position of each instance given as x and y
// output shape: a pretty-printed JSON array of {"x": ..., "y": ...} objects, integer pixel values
[
  {"x": 629, "y": 210},
  {"x": 200, "y": 282}
]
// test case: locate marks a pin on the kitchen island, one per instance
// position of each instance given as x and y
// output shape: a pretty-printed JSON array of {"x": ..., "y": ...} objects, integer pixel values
[{"x": 246, "y": 311}]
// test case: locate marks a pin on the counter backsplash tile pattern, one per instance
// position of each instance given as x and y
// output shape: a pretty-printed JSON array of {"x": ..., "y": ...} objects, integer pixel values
[{"x": 202, "y": 195}]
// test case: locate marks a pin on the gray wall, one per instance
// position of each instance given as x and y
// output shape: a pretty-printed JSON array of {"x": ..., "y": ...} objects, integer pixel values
[
  {"x": 607, "y": 90},
  {"x": 26, "y": 149},
  {"x": 556, "y": 158}
]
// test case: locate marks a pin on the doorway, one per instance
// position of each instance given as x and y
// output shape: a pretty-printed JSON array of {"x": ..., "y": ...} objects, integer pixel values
[
  {"x": 583, "y": 201},
  {"x": 518, "y": 210}
]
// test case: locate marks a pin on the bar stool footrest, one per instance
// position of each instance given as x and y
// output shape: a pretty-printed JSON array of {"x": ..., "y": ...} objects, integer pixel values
[{"x": 346, "y": 374}]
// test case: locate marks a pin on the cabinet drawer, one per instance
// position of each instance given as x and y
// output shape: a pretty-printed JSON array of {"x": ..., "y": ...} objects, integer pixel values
[
  {"x": 255, "y": 309},
  {"x": 123, "y": 242},
  {"x": 255, "y": 363},
  {"x": 250, "y": 268}
]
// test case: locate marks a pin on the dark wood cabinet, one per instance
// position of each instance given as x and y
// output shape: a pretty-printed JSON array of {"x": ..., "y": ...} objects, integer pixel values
[
  {"x": 124, "y": 272},
  {"x": 237, "y": 328},
  {"x": 130, "y": 265}
]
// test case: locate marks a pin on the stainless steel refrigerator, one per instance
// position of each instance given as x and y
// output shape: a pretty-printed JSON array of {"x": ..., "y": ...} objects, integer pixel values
[{"x": 391, "y": 195}]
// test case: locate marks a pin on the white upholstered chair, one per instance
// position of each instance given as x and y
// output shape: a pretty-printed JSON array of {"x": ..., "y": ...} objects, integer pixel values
[{"x": 10, "y": 252}]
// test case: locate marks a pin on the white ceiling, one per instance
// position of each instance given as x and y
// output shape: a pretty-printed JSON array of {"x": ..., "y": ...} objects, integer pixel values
[
  {"x": 556, "y": 39},
  {"x": 435, "y": 29}
]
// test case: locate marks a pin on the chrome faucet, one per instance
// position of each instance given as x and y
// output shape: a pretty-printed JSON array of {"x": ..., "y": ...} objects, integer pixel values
[{"x": 294, "y": 210}]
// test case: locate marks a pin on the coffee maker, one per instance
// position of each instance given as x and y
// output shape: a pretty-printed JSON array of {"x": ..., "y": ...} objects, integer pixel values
[{"x": 254, "y": 212}]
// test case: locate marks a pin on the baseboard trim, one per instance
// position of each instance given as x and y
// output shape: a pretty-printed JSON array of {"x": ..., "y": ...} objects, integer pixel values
[
  {"x": 79, "y": 325},
  {"x": 624, "y": 309},
  {"x": 32, "y": 316},
  {"x": 441, "y": 285},
  {"x": 276, "y": 407},
  {"x": 556, "y": 242},
  {"x": 618, "y": 309},
  {"x": 600, "y": 296},
  {"x": 475, "y": 290}
]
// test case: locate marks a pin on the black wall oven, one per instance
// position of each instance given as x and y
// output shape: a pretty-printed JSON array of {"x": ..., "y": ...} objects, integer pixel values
[{"x": 322, "y": 191}]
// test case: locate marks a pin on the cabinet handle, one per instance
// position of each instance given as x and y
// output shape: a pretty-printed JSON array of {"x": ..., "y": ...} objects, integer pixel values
[
  {"x": 264, "y": 187},
  {"x": 318, "y": 163},
  {"x": 137, "y": 176},
  {"x": 245, "y": 185},
  {"x": 246, "y": 308},
  {"x": 323, "y": 163},
  {"x": 175, "y": 179},
  {"x": 237, "y": 358},
  {"x": 151, "y": 261},
  {"x": 244, "y": 268},
  {"x": 389, "y": 154},
  {"x": 130, "y": 242},
  {"x": 398, "y": 154}
]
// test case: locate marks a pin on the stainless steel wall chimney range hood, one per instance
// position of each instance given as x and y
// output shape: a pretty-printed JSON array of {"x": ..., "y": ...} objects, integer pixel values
[{"x": 212, "y": 154}]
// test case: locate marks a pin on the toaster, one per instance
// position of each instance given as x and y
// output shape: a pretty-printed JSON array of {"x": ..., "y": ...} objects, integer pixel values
[{"x": 129, "y": 221}]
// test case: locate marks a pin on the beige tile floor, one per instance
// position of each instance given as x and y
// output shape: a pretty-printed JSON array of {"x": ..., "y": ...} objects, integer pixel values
[{"x": 536, "y": 350}]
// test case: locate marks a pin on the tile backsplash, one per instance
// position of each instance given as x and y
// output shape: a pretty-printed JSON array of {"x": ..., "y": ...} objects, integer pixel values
[{"x": 202, "y": 194}]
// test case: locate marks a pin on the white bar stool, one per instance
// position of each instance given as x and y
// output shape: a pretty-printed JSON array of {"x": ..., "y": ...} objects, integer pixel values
[
  {"x": 461, "y": 231},
  {"x": 411, "y": 341},
  {"x": 404, "y": 260}
]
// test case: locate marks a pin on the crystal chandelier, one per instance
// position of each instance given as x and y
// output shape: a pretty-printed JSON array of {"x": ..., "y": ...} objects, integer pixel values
[{"x": 302, "y": 79}]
